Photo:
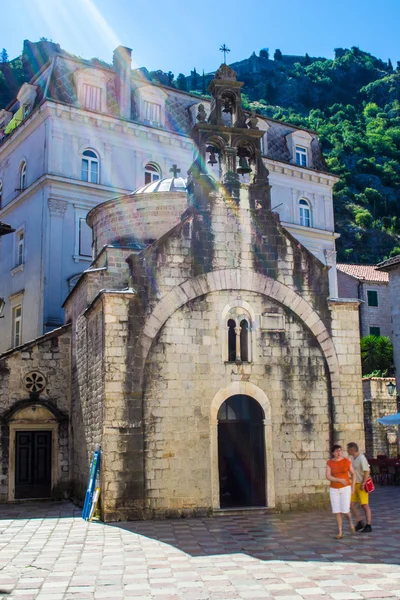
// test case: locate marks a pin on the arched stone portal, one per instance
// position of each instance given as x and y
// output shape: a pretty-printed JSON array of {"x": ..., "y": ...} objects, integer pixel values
[
  {"x": 241, "y": 453},
  {"x": 258, "y": 396}
]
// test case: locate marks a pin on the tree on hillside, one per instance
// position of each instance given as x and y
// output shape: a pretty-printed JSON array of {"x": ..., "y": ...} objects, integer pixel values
[
  {"x": 270, "y": 93},
  {"x": 203, "y": 84},
  {"x": 264, "y": 53},
  {"x": 193, "y": 79},
  {"x": 170, "y": 76},
  {"x": 307, "y": 60},
  {"x": 181, "y": 82},
  {"x": 376, "y": 355},
  {"x": 4, "y": 56},
  {"x": 390, "y": 66},
  {"x": 277, "y": 54}
]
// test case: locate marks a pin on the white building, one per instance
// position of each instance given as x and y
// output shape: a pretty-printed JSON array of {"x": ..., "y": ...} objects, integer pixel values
[{"x": 82, "y": 132}]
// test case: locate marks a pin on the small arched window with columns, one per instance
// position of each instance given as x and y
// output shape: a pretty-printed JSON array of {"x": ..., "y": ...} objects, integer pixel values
[{"x": 238, "y": 341}]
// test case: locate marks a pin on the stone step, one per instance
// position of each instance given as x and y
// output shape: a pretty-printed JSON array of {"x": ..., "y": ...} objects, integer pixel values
[{"x": 243, "y": 511}]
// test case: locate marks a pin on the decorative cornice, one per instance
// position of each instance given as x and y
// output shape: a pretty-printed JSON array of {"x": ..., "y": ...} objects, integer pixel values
[
  {"x": 310, "y": 232},
  {"x": 57, "y": 208},
  {"x": 283, "y": 168}
]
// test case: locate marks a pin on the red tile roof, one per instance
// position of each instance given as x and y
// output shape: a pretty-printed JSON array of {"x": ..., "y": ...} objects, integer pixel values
[{"x": 364, "y": 272}]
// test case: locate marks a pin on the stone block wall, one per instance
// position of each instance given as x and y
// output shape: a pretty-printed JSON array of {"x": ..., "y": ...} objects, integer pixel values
[
  {"x": 49, "y": 355},
  {"x": 348, "y": 287},
  {"x": 376, "y": 316},
  {"x": 394, "y": 291},
  {"x": 378, "y": 403},
  {"x": 347, "y": 388},
  {"x": 87, "y": 395},
  {"x": 123, "y": 437},
  {"x": 184, "y": 372}
]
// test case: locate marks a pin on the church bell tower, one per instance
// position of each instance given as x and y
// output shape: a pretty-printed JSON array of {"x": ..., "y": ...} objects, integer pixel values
[{"x": 230, "y": 138}]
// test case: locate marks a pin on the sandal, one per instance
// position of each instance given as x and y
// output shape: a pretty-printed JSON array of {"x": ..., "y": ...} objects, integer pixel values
[
  {"x": 352, "y": 529},
  {"x": 339, "y": 536}
]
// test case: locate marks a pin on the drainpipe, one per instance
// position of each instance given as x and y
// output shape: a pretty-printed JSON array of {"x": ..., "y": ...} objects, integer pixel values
[{"x": 359, "y": 309}]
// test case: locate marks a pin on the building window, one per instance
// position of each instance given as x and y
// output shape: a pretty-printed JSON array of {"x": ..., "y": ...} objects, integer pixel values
[
  {"x": 85, "y": 238},
  {"x": 91, "y": 97},
  {"x": 372, "y": 298},
  {"x": 263, "y": 143},
  {"x": 231, "y": 340},
  {"x": 238, "y": 341},
  {"x": 16, "y": 325},
  {"x": 301, "y": 156},
  {"x": 83, "y": 235},
  {"x": 152, "y": 172},
  {"x": 152, "y": 113},
  {"x": 22, "y": 177},
  {"x": 90, "y": 167},
  {"x": 20, "y": 247},
  {"x": 375, "y": 331},
  {"x": 305, "y": 213},
  {"x": 244, "y": 340}
]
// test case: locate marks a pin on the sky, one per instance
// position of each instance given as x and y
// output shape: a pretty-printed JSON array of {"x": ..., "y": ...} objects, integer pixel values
[{"x": 176, "y": 36}]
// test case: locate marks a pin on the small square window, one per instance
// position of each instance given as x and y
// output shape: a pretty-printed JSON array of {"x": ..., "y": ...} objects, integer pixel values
[
  {"x": 372, "y": 298},
  {"x": 375, "y": 331}
]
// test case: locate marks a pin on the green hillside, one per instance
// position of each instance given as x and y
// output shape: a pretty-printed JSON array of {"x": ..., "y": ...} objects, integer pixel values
[{"x": 353, "y": 103}]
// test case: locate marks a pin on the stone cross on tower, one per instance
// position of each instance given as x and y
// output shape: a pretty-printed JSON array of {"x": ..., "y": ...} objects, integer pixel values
[
  {"x": 225, "y": 50},
  {"x": 174, "y": 170}
]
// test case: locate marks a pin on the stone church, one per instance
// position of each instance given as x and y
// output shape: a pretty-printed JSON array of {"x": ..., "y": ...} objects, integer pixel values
[{"x": 201, "y": 349}]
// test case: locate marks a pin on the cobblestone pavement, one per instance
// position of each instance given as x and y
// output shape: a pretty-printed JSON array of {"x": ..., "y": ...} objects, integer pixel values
[{"x": 47, "y": 552}]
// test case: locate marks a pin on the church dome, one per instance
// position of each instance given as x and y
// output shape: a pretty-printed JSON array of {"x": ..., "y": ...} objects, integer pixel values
[
  {"x": 140, "y": 217},
  {"x": 167, "y": 184}
]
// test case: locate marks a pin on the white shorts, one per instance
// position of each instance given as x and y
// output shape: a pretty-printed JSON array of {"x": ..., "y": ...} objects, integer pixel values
[{"x": 340, "y": 499}]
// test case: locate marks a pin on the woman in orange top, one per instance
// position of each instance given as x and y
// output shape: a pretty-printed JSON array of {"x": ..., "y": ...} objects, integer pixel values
[{"x": 341, "y": 489}]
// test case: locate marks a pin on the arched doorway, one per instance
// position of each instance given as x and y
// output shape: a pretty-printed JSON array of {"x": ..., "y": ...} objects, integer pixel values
[
  {"x": 33, "y": 451},
  {"x": 241, "y": 452}
]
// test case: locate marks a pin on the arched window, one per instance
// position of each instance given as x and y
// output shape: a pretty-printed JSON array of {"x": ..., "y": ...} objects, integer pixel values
[
  {"x": 244, "y": 341},
  {"x": 22, "y": 176},
  {"x": 231, "y": 340},
  {"x": 305, "y": 213},
  {"x": 239, "y": 343},
  {"x": 152, "y": 172},
  {"x": 90, "y": 166}
]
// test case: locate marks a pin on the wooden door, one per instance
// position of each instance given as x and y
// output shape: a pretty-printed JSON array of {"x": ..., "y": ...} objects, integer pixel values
[
  {"x": 241, "y": 453},
  {"x": 33, "y": 464}
]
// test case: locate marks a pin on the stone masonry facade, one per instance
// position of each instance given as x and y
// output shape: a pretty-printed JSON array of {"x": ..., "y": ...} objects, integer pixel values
[
  {"x": 153, "y": 360},
  {"x": 49, "y": 356},
  {"x": 379, "y": 403}
]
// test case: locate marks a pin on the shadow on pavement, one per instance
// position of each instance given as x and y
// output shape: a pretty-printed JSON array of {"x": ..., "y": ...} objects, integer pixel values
[{"x": 285, "y": 537}]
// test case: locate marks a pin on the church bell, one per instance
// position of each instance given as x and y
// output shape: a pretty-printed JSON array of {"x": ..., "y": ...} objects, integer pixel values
[
  {"x": 212, "y": 160},
  {"x": 243, "y": 167},
  {"x": 227, "y": 106}
]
